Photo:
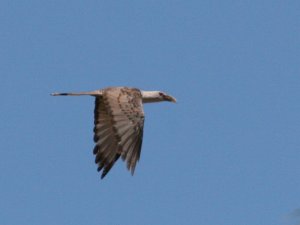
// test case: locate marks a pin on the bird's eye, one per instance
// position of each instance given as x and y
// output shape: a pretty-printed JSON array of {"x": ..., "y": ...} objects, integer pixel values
[{"x": 161, "y": 94}]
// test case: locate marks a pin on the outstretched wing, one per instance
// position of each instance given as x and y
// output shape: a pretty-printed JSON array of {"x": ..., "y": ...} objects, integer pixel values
[{"x": 118, "y": 131}]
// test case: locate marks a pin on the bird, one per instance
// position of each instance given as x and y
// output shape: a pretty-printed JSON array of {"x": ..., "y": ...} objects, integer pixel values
[{"x": 119, "y": 123}]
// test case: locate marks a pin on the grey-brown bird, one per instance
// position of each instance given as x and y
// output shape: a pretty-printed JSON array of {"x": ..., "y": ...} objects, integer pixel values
[{"x": 119, "y": 123}]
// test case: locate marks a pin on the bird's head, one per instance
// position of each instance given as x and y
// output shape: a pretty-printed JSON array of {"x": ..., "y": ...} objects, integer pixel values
[
  {"x": 166, "y": 97},
  {"x": 156, "y": 96}
]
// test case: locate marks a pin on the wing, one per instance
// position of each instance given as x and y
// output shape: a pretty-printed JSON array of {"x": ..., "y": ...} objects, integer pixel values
[{"x": 118, "y": 131}]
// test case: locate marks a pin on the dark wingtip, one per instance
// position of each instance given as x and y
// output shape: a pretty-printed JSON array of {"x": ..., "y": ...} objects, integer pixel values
[
  {"x": 58, "y": 94},
  {"x": 103, "y": 175}
]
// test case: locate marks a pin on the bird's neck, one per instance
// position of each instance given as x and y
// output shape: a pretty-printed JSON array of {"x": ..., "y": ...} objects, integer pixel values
[{"x": 151, "y": 96}]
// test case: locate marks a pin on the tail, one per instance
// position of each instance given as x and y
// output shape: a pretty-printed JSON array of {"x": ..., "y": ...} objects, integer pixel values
[{"x": 92, "y": 93}]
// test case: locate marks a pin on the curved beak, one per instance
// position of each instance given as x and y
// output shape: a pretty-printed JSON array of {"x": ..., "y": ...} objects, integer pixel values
[{"x": 170, "y": 98}]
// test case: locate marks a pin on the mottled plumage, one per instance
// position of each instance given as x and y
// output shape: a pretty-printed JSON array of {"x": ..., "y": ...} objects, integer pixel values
[{"x": 119, "y": 123}]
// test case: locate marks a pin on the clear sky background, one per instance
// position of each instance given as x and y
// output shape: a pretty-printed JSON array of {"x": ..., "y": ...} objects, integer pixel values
[{"x": 226, "y": 154}]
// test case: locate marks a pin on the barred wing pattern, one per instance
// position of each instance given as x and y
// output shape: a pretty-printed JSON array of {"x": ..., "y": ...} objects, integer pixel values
[{"x": 118, "y": 131}]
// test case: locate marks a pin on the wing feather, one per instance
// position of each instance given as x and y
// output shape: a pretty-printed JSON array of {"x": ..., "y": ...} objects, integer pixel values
[{"x": 118, "y": 131}]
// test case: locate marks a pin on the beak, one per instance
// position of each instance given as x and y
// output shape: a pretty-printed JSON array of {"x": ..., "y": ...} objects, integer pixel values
[{"x": 170, "y": 98}]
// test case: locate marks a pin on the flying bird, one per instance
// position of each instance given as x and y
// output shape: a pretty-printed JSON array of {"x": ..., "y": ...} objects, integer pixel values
[{"x": 119, "y": 123}]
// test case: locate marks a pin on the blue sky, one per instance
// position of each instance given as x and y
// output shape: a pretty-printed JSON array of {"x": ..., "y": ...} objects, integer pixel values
[{"x": 227, "y": 153}]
